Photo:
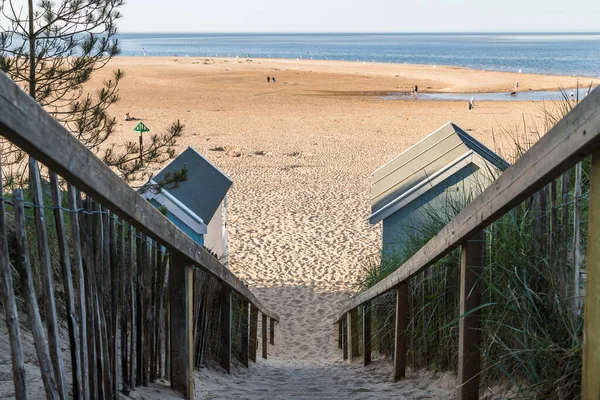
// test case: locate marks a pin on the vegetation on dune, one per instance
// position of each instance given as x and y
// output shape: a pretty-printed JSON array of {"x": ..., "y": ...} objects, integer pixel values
[{"x": 532, "y": 317}]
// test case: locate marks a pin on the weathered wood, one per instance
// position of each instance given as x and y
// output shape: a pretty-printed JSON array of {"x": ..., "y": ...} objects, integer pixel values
[
  {"x": 82, "y": 310},
  {"x": 366, "y": 336},
  {"x": 563, "y": 258},
  {"x": 354, "y": 345},
  {"x": 168, "y": 372},
  {"x": 85, "y": 237},
  {"x": 272, "y": 331},
  {"x": 139, "y": 370},
  {"x": 29, "y": 126},
  {"x": 115, "y": 292},
  {"x": 151, "y": 322},
  {"x": 591, "y": 330},
  {"x": 132, "y": 317},
  {"x": 400, "y": 331},
  {"x": 469, "y": 336},
  {"x": 49, "y": 303},
  {"x": 180, "y": 285},
  {"x": 244, "y": 332},
  {"x": 253, "y": 332},
  {"x": 340, "y": 335},
  {"x": 577, "y": 240},
  {"x": 33, "y": 312},
  {"x": 125, "y": 385},
  {"x": 264, "y": 336},
  {"x": 344, "y": 321},
  {"x": 160, "y": 306},
  {"x": 574, "y": 137},
  {"x": 226, "y": 328},
  {"x": 65, "y": 262},
  {"x": 10, "y": 305}
]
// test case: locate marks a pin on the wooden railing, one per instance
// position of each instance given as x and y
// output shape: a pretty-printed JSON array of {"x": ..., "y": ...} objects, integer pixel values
[
  {"x": 115, "y": 236},
  {"x": 576, "y": 136}
]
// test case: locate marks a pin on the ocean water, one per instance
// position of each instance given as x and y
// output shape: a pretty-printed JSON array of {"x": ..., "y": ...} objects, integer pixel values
[{"x": 547, "y": 53}]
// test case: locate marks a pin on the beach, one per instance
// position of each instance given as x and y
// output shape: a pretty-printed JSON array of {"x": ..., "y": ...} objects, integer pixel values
[{"x": 300, "y": 152}]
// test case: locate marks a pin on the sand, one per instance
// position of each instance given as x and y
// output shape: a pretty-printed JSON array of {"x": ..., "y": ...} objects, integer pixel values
[{"x": 300, "y": 153}]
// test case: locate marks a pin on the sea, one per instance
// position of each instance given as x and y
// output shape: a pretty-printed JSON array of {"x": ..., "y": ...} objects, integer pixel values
[{"x": 572, "y": 54}]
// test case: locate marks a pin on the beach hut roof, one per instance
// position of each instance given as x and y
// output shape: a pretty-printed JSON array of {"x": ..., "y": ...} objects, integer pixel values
[
  {"x": 424, "y": 165},
  {"x": 203, "y": 191}
]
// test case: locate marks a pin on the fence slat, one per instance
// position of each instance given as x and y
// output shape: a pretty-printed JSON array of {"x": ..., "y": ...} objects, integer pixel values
[
  {"x": 139, "y": 370},
  {"x": 226, "y": 328},
  {"x": 253, "y": 332},
  {"x": 182, "y": 340},
  {"x": 469, "y": 337},
  {"x": 244, "y": 332},
  {"x": 33, "y": 312},
  {"x": 65, "y": 262},
  {"x": 132, "y": 316},
  {"x": 272, "y": 331},
  {"x": 345, "y": 336},
  {"x": 264, "y": 336},
  {"x": 366, "y": 337},
  {"x": 400, "y": 331},
  {"x": 354, "y": 345},
  {"x": 51, "y": 316},
  {"x": 10, "y": 304},
  {"x": 115, "y": 291},
  {"x": 124, "y": 310},
  {"x": 591, "y": 331}
]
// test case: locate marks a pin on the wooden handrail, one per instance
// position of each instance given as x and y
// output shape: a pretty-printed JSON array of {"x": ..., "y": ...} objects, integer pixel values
[
  {"x": 26, "y": 124},
  {"x": 576, "y": 136}
]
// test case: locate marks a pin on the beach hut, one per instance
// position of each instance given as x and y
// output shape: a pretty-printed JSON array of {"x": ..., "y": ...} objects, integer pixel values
[
  {"x": 198, "y": 205},
  {"x": 441, "y": 171}
]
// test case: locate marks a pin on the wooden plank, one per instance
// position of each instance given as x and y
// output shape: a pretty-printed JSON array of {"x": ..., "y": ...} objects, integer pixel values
[
  {"x": 272, "y": 331},
  {"x": 29, "y": 126},
  {"x": 253, "y": 332},
  {"x": 244, "y": 332},
  {"x": 82, "y": 310},
  {"x": 51, "y": 317},
  {"x": 10, "y": 305},
  {"x": 139, "y": 358},
  {"x": 577, "y": 240},
  {"x": 264, "y": 336},
  {"x": 400, "y": 331},
  {"x": 160, "y": 307},
  {"x": 115, "y": 291},
  {"x": 65, "y": 262},
  {"x": 340, "y": 335},
  {"x": 123, "y": 257},
  {"x": 226, "y": 328},
  {"x": 180, "y": 287},
  {"x": 30, "y": 299},
  {"x": 354, "y": 345},
  {"x": 573, "y": 138},
  {"x": 132, "y": 317},
  {"x": 469, "y": 336},
  {"x": 344, "y": 321},
  {"x": 366, "y": 336},
  {"x": 591, "y": 330}
]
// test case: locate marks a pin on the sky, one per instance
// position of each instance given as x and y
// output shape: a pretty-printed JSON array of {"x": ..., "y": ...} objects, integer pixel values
[{"x": 360, "y": 16}]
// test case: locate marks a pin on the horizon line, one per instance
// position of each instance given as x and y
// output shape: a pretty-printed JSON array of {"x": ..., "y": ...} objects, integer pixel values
[{"x": 566, "y": 32}]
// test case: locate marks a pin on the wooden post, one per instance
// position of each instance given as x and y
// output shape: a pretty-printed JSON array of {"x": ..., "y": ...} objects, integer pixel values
[
  {"x": 115, "y": 290},
  {"x": 340, "y": 334},
  {"x": 591, "y": 330},
  {"x": 180, "y": 285},
  {"x": 226, "y": 328},
  {"x": 366, "y": 337},
  {"x": 400, "y": 333},
  {"x": 272, "y": 331},
  {"x": 253, "y": 332},
  {"x": 10, "y": 304},
  {"x": 51, "y": 319},
  {"x": 244, "y": 325},
  {"x": 344, "y": 321},
  {"x": 65, "y": 262},
  {"x": 354, "y": 346},
  {"x": 576, "y": 240},
  {"x": 472, "y": 258},
  {"x": 264, "y": 336},
  {"x": 30, "y": 299}
]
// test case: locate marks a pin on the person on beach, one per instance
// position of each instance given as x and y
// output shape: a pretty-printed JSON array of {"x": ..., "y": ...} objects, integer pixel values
[
  {"x": 516, "y": 85},
  {"x": 127, "y": 117},
  {"x": 572, "y": 96},
  {"x": 268, "y": 80},
  {"x": 416, "y": 89},
  {"x": 470, "y": 106},
  {"x": 412, "y": 91},
  {"x": 273, "y": 79},
  {"x": 472, "y": 102}
]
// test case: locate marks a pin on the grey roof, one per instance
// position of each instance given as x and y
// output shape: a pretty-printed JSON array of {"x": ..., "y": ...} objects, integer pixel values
[
  {"x": 205, "y": 187},
  {"x": 414, "y": 170}
]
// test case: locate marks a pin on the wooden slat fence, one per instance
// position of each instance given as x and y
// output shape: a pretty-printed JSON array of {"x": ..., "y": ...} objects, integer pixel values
[
  {"x": 143, "y": 301},
  {"x": 575, "y": 137}
]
